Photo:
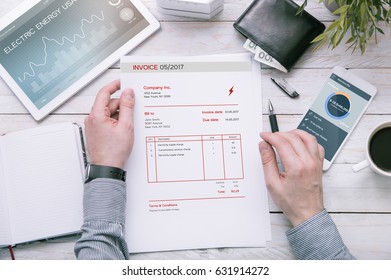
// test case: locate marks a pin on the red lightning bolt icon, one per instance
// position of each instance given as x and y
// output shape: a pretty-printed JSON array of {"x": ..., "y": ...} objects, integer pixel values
[{"x": 231, "y": 91}]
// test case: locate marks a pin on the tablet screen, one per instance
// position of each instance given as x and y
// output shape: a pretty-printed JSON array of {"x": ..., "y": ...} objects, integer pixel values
[{"x": 56, "y": 42}]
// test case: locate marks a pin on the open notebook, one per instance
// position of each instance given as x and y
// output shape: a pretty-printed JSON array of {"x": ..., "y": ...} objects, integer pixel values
[{"x": 41, "y": 183}]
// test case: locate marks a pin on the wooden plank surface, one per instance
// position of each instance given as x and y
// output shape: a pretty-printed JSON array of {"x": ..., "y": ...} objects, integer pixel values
[
  {"x": 299, "y": 79},
  {"x": 360, "y": 203}
]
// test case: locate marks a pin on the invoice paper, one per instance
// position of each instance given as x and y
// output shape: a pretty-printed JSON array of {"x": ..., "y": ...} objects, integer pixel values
[{"x": 194, "y": 176}]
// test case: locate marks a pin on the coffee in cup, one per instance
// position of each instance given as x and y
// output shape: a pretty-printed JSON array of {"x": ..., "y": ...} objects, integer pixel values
[{"x": 378, "y": 150}]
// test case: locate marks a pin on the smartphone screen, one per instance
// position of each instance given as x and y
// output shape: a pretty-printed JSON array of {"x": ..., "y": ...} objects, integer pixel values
[{"x": 334, "y": 113}]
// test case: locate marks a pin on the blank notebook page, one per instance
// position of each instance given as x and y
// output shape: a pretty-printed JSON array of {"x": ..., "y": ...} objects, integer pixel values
[
  {"x": 44, "y": 180},
  {"x": 5, "y": 234}
]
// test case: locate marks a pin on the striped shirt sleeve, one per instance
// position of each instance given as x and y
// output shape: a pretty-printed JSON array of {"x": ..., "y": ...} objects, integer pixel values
[
  {"x": 318, "y": 239},
  {"x": 103, "y": 229}
]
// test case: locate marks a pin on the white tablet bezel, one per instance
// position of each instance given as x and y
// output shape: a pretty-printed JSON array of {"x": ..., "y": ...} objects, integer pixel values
[{"x": 39, "y": 114}]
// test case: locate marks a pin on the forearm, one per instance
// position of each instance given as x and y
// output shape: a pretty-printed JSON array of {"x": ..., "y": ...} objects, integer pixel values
[
  {"x": 103, "y": 230},
  {"x": 318, "y": 238}
]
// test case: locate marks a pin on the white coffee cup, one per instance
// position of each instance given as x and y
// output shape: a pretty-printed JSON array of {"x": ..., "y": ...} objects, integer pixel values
[{"x": 369, "y": 161}]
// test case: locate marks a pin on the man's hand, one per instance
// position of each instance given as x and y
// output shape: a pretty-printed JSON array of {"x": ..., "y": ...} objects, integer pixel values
[
  {"x": 298, "y": 189},
  {"x": 109, "y": 127}
]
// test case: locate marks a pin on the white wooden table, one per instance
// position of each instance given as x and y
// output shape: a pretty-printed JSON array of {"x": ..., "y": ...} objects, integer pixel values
[{"x": 360, "y": 204}]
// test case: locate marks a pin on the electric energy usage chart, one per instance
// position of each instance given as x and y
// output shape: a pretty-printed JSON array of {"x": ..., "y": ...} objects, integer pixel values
[
  {"x": 194, "y": 158},
  {"x": 57, "y": 42}
]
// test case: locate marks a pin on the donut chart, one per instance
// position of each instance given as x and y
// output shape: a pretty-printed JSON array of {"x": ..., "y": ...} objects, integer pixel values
[{"x": 338, "y": 105}]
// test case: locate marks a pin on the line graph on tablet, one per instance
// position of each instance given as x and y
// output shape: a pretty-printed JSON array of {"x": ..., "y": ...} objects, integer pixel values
[
  {"x": 69, "y": 51},
  {"x": 58, "y": 42}
]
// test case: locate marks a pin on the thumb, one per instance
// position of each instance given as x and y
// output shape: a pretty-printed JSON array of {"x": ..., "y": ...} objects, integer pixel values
[
  {"x": 269, "y": 163},
  {"x": 126, "y": 108}
]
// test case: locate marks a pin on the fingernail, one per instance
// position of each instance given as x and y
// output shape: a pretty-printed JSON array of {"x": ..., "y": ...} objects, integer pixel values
[
  {"x": 128, "y": 94},
  {"x": 263, "y": 146}
]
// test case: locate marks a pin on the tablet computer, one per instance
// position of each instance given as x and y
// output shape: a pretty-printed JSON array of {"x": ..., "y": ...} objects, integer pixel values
[{"x": 50, "y": 49}]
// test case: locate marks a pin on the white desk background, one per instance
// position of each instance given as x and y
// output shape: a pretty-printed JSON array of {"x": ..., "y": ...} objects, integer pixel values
[{"x": 360, "y": 204}]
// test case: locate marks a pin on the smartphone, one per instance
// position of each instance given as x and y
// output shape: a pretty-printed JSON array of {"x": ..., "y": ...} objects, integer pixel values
[{"x": 336, "y": 110}]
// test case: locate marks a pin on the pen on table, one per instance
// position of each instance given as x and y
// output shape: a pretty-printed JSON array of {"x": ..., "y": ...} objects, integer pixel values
[
  {"x": 287, "y": 88},
  {"x": 272, "y": 118}
]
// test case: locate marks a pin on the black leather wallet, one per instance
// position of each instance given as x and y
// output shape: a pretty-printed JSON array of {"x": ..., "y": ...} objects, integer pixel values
[{"x": 274, "y": 26}]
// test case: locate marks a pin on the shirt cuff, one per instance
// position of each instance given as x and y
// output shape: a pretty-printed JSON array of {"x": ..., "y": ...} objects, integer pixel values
[
  {"x": 316, "y": 238},
  {"x": 105, "y": 199}
]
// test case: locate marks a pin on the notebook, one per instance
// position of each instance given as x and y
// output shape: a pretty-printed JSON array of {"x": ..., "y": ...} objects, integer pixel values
[{"x": 41, "y": 183}]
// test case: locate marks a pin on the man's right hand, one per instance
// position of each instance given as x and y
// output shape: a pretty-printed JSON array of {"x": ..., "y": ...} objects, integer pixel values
[{"x": 298, "y": 189}]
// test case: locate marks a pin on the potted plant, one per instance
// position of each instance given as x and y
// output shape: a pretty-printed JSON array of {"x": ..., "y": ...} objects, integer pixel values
[{"x": 361, "y": 17}]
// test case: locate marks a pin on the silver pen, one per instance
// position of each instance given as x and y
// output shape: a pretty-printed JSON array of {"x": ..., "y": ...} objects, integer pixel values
[{"x": 287, "y": 88}]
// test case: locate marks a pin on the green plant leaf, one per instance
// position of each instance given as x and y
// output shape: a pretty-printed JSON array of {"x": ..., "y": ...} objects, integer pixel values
[
  {"x": 387, "y": 17},
  {"x": 301, "y": 8},
  {"x": 371, "y": 30},
  {"x": 362, "y": 47},
  {"x": 342, "y": 35},
  {"x": 334, "y": 24},
  {"x": 363, "y": 10},
  {"x": 341, "y": 10},
  {"x": 320, "y": 37},
  {"x": 378, "y": 29},
  {"x": 351, "y": 39}
]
